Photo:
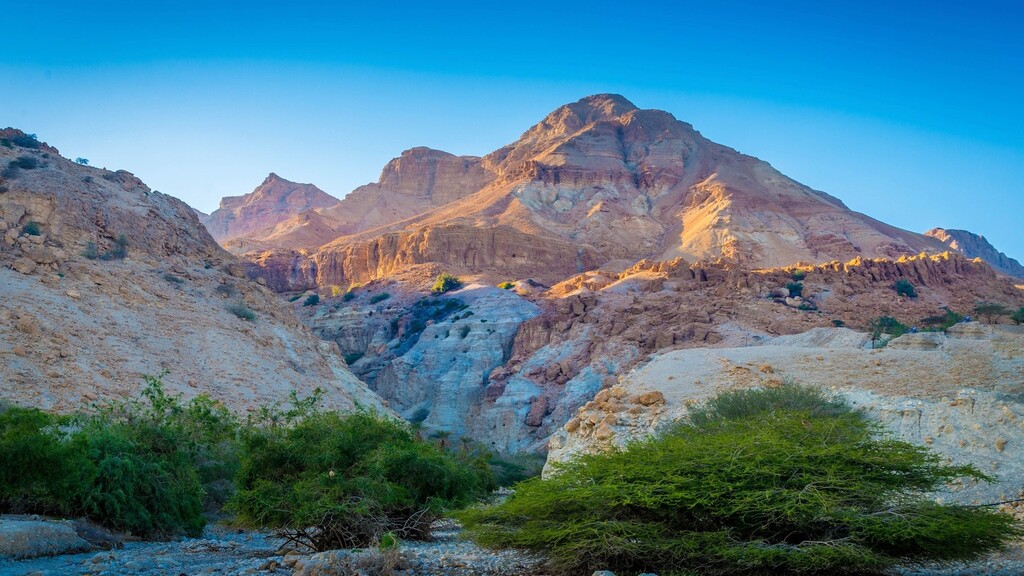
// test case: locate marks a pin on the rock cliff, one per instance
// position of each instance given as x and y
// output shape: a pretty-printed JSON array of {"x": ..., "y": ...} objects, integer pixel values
[
  {"x": 104, "y": 280},
  {"x": 975, "y": 246}
]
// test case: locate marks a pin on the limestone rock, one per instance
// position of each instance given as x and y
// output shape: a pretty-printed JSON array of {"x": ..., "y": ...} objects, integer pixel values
[{"x": 975, "y": 246}]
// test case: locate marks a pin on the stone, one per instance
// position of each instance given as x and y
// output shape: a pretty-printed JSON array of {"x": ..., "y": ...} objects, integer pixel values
[
  {"x": 20, "y": 539},
  {"x": 24, "y": 265}
]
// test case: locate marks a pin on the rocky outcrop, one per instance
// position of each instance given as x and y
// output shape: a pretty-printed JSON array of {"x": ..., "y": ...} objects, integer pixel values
[
  {"x": 975, "y": 246},
  {"x": 960, "y": 395},
  {"x": 104, "y": 280},
  {"x": 271, "y": 203}
]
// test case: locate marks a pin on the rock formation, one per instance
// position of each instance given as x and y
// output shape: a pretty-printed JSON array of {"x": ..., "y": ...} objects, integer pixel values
[
  {"x": 104, "y": 281},
  {"x": 975, "y": 246},
  {"x": 272, "y": 202}
]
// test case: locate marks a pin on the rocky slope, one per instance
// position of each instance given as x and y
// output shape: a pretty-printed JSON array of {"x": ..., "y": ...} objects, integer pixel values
[
  {"x": 975, "y": 246},
  {"x": 271, "y": 203},
  {"x": 596, "y": 181},
  {"x": 104, "y": 280},
  {"x": 960, "y": 393}
]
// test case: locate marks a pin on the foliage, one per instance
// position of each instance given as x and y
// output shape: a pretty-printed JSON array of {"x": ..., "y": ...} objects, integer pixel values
[
  {"x": 990, "y": 310},
  {"x": 327, "y": 480},
  {"x": 141, "y": 465},
  {"x": 26, "y": 141},
  {"x": 240, "y": 310},
  {"x": 510, "y": 469},
  {"x": 942, "y": 321},
  {"x": 838, "y": 323},
  {"x": 758, "y": 482},
  {"x": 795, "y": 288},
  {"x": 82, "y": 161},
  {"x": 119, "y": 251},
  {"x": 173, "y": 279},
  {"x": 90, "y": 252},
  {"x": 312, "y": 300},
  {"x": 379, "y": 297},
  {"x": 335, "y": 290},
  {"x": 295, "y": 297},
  {"x": 903, "y": 287},
  {"x": 799, "y": 275},
  {"x": 348, "y": 296},
  {"x": 32, "y": 229},
  {"x": 886, "y": 325},
  {"x": 353, "y": 357},
  {"x": 445, "y": 282},
  {"x": 1018, "y": 316},
  {"x": 226, "y": 289},
  {"x": 507, "y": 285}
]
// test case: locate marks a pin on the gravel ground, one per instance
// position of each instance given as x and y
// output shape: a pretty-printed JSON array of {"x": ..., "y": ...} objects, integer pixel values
[{"x": 226, "y": 552}]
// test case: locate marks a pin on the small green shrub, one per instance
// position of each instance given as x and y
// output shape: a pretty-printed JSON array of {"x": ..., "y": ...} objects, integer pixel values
[
  {"x": 464, "y": 331},
  {"x": 226, "y": 289},
  {"x": 311, "y": 300},
  {"x": 174, "y": 279},
  {"x": 838, "y": 323},
  {"x": 240, "y": 310},
  {"x": 295, "y": 297},
  {"x": 119, "y": 251},
  {"x": 29, "y": 141},
  {"x": 903, "y": 287},
  {"x": 507, "y": 285},
  {"x": 445, "y": 282},
  {"x": 32, "y": 229},
  {"x": 340, "y": 481},
  {"x": 795, "y": 288},
  {"x": 379, "y": 297},
  {"x": 798, "y": 275},
  {"x": 886, "y": 325},
  {"x": 778, "y": 481},
  {"x": 943, "y": 321},
  {"x": 90, "y": 252},
  {"x": 348, "y": 296},
  {"x": 82, "y": 161}
]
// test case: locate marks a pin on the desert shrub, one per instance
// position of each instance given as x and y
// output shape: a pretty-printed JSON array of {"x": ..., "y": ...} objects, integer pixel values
[
  {"x": 838, "y": 323},
  {"x": 174, "y": 279},
  {"x": 942, "y": 321},
  {"x": 379, "y": 297},
  {"x": 119, "y": 251},
  {"x": 353, "y": 357},
  {"x": 340, "y": 481},
  {"x": 240, "y": 310},
  {"x": 464, "y": 331},
  {"x": 311, "y": 300},
  {"x": 82, "y": 161},
  {"x": 507, "y": 285},
  {"x": 227, "y": 290},
  {"x": 991, "y": 311},
  {"x": 348, "y": 296},
  {"x": 1018, "y": 316},
  {"x": 759, "y": 482},
  {"x": 142, "y": 465},
  {"x": 903, "y": 287},
  {"x": 445, "y": 282},
  {"x": 795, "y": 288},
  {"x": 32, "y": 229},
  {"x": 26, "y": 141},
  {"x": 886, "y": 325},
  {"x": 90, "y": 252},
  {"x": 294, "y": 298},
  {"x": 798, "y": 275}
]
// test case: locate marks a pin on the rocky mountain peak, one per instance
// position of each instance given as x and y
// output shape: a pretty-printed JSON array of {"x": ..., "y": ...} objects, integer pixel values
[
  {"x": 975, "y": 246},
  {"x": 417, "y": 171},
  {"x": 272, "y": 202}
]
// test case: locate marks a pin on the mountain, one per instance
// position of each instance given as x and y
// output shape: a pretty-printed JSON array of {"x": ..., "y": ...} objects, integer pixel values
[
  {"x": 272, "y": 202},
  {"x": 596, "y": 182},
  {"x": 104, "y": 280},
  {"x": 975, "y": 246}
]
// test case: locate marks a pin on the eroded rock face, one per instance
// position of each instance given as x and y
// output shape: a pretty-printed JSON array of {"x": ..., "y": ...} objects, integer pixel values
[
  {"x": 272, "y": 202},
  {"x": 598, "y": 180},
  {"x": 961, "y": 397},
  {"x": 104, "y": 281},
  {"x": 975, "y": 246}
]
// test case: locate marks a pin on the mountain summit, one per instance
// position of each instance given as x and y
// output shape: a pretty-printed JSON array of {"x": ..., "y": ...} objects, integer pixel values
[
  {"x": 597, "y": 181},
  {"x": 974, "y": 246}
]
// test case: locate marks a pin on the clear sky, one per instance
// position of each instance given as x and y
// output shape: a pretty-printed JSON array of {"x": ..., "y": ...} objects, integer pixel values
[{"x": 912, "y": 112}]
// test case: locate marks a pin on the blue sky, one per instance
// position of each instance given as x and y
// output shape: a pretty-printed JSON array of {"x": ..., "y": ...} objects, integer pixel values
[{"x": 908, "y": 111}]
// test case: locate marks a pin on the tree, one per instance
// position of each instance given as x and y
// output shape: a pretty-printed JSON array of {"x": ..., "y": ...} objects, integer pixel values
[
  {"x": 770, "y": 481},
  {"x": 886, "y": 325},
  {"x": 82, "y": 161},
  {"x": 991, "y": 311},
  {"x": 1018, "y": 316},
  {"x": 903, "y": 287}
]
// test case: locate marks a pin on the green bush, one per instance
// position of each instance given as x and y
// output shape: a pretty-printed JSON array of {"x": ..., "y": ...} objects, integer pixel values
[
  {"x": 379, "y": 297},
  {"x": 942, "y": 321},
  {"x": 32, "y": 229},
  {"x": 340, "y": 481},
  {"x": 240, "y": 310},
  {"x": 903, "y": 287},
  {"x": 348, "y": 296},
  {"x": 507, "y": 285},
  {"x": 141, "y": 465},
  {"x": 312, "y": 300},
  {"x": 90, "y": 252},
  {"x": 1018, "y": 316},
  {"x": 795, "y": 288},
  {"x": 445, "y": 282},
  {"x": 798, "y": 275},
  {"x": 886, "y": 325},
  {"x": 119, "y": 251},
  {"x": 353, "y": 357},
  {"x": 758, "y": 482},
  {"x": 991, "y": 311},
  {"x": 26, "y": 141}
]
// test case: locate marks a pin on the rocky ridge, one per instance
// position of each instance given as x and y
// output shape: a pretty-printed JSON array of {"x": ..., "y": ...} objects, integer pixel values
[
  {"x": 105, "y": 280},
  {"x": 975, "y": 246}
]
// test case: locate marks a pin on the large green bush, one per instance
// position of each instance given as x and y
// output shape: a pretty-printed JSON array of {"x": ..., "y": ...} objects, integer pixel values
[
  {"x": 142, "y": 465},
  {"x": 326, "y": 480},
  {"x": 445, "y": 282},
  {"x": 757, "y": 482}
]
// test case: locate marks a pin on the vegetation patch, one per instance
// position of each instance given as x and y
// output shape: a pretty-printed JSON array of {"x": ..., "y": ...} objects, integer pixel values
[
  {"x": 795, "y": 289},
  {"x": 241, "y": 310},
  {"x": 991, "y": 311},
  {"x": 770, "y": 481},
  {"x": 903, "y": 287},
  {"x": 445, "y": 282},
  {"x": 312, "y": 300},
  {"x": 886, "y": 325},
  {"x": 32, "y": 229},
  {"x": 942, "y": 322},
  {"x": 507, "y": 285},
  {"x": 379, "y": 297}
]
